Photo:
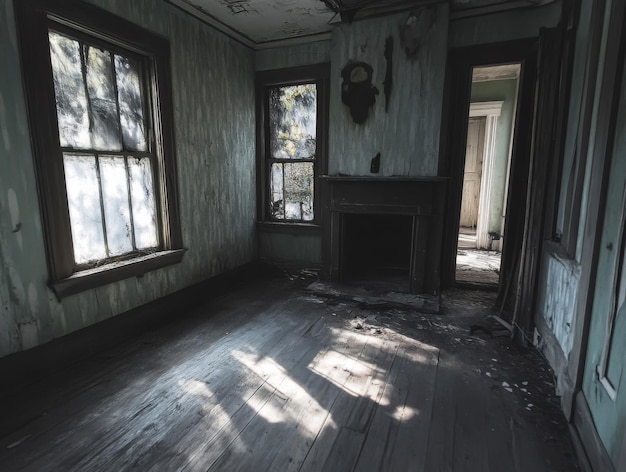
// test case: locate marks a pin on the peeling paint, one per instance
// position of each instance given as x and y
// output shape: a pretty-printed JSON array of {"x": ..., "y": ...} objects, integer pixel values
[
  {"x": 5, "y": 132},
  {"x": 213, "y": 93},
  {"x": 16, "y": 287},
  {"x": 14, "y": 211},
  {"x": 558, "y": 287},
  {"x": 407, "y": 137},
  {"x": 29, "y": 335},
  {"x": 33, "y": 299}
]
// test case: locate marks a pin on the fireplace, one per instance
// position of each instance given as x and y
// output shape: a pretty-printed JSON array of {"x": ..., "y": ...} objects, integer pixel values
[
  {"x": 376, "y": 249},
  {"x": 384, "y": 229}
]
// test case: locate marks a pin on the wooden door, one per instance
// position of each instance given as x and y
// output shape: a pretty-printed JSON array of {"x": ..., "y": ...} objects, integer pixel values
[
  {"x": 473, "y": 172},
  {"x": 604, "y": 381}
]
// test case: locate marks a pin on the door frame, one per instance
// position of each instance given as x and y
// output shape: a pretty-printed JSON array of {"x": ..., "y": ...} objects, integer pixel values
[
  {"x": 454, "y": 137},
  {"x": 605, "y": 106},
  {"x": 491, "y": 111}
]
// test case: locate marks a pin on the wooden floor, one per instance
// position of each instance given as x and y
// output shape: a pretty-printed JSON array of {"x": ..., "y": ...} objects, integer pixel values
[
  {"x": 272, "y": 377},
  {"x": 475, "y": 267}
]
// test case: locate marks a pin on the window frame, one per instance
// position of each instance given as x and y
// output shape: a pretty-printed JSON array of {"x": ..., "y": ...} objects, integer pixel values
[
  {"x": 319, "y": 74},
  {"x": 35, "y": 18}
]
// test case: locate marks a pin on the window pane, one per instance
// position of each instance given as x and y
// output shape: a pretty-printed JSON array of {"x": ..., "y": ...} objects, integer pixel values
[
  {"x": 143, "y": 201},
  {"x": 292, "y": 191},
  {"x": 71, "y": 101},
  {"x": 83, "y": 196},
  {"x": 276, "y": 190},
  {"x": 116, "y": 205},
  {"x": 106, "y": 133},
  {"x": 293, "y": 118},
  {"x": 131, "y": 112}
]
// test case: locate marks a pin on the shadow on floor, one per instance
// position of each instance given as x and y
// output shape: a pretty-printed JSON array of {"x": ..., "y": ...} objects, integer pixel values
[{"x": 272, "y": 376}]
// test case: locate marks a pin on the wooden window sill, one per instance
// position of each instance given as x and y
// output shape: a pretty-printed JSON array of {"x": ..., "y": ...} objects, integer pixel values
[
  {"x": 287, "y": 227},
  {"x": 113, "y": 272}
]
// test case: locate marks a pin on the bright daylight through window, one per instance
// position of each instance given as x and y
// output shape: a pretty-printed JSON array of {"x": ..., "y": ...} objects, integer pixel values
[
  {"x": 99, "y": 96},
  {"x": 293, "y": 146},
  {"x": 106, "y": 159}
]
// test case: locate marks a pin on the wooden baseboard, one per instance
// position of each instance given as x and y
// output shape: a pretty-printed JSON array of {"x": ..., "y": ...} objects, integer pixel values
[
  {"x": 592, "y": 449},
  {"x": 551, "y": 349},
  {"x": 579, "y": 448},
  {"x": 22, "y": 368}
]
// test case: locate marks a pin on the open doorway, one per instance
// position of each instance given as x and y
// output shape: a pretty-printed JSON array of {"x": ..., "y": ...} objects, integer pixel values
[{"x": 487, "y": 164}]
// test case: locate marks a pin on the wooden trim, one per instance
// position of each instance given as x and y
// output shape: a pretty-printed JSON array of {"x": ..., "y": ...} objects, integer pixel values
[
  {"x": 541, "y": 153},
  {"x": 25, "y": 367},
  {"x": 420, "y": 198},
  {"x": 288, "y": 228},
  {"x": 594, "y": 451},
  {"x": 574, "y": 197},
  {"x": 34, "y": 18},
  {"x": 110, "y": 273},
  {"x": 454, "y": 136},
  {"x": 495, "y": 9},
  {"x": 32, "y": 32},
  {"x": 485, "y": 109},
  {"x": 293, "y": 75},
  {"x": 621, "y": 465},
  {"x": 491, "y": 111},
  {"x": 569, "y": 27},
  {"x": 369, "y": 178},
  {"x": 315, "y": 73},
  {"x": 601, "y": 153}
]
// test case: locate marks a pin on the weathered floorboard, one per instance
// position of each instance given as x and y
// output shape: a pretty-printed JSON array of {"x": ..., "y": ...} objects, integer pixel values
[{"x": 273, "y": 378}]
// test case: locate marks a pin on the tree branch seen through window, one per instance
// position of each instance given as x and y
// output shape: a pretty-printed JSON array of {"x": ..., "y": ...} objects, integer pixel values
[
  {"x": 293, "y": 144},
  {"x": 108, "y": 170}
]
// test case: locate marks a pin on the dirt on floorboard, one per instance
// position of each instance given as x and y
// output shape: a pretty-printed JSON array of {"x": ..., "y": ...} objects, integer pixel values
[{"x": 524, "y": 401}]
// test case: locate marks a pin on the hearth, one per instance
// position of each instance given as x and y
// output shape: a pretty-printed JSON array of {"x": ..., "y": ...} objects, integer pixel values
[
  {"x": 376, "y": 249},
  {"x": 383, "y": 231}
]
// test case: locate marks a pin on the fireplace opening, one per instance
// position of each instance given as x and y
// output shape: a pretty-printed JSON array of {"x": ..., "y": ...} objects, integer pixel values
[{"x": 377, "y": 250}]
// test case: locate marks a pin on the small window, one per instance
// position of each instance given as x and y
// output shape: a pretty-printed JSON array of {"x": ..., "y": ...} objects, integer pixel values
[
  {"x": 97, "y": 89},
  {"x": 293, "y": 149}
]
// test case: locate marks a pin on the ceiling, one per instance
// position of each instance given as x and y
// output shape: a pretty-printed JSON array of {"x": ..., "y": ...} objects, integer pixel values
[{"x": 268, "y": 23}]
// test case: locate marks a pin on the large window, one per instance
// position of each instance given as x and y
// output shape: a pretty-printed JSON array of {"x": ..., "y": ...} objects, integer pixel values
[
  {"x": 99, "y": 101},
  {"x": 291, "y": 142}
]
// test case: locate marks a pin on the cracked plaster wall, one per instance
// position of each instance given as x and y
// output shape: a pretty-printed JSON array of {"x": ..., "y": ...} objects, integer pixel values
[{"x": 213, "y": 91}]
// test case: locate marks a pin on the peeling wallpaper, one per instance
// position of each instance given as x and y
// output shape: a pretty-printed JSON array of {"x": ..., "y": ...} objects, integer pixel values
[
  {"x": 213, "y": 91},
  {"x": 408, "y": 135},
  {"x": 558, "y": 288},
  {"x": 293, "y": 56}
]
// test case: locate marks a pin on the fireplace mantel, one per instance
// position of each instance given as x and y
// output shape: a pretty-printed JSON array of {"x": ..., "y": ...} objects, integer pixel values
[{"x": 419, "y": 197}]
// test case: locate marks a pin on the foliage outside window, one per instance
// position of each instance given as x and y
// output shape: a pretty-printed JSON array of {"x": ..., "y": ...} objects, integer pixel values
[
  {"x": 99, "y": 99},
  {"x": 293, "y": 142},
  {"x": 108, "y": 169}
]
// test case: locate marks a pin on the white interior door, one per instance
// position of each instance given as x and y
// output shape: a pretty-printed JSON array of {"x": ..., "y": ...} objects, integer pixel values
[{"x": 473, "y": 172}]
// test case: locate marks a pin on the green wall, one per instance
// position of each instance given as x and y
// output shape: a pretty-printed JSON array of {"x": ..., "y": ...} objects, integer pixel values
[
  {"x": 213, "y": 91},
  {"x": 293, "y": 56},
  {"x": 408, "y": 136},
  {"x": 213, "y": 87},
  {"x": 505, "y": 91}
]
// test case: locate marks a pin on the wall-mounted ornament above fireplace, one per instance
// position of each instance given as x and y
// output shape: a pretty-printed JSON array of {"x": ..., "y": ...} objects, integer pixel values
[
  {"x": 357, "y": 91},
  {"x": 384, "y": 227}
]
